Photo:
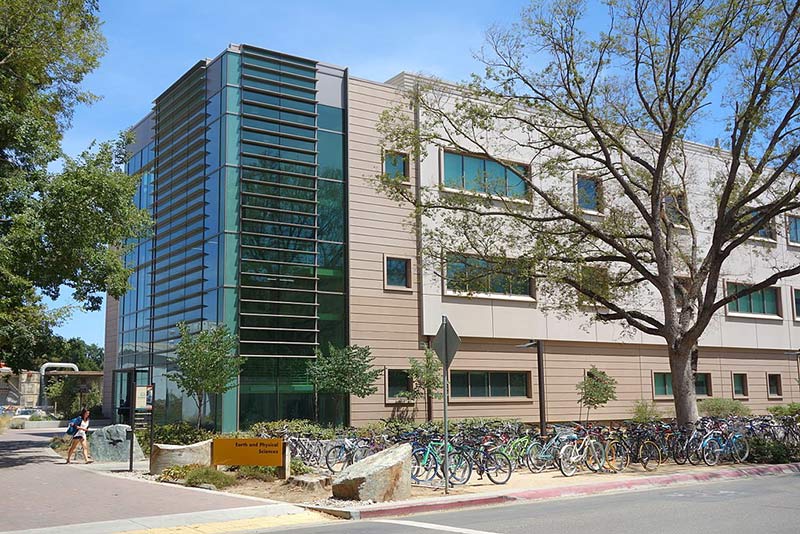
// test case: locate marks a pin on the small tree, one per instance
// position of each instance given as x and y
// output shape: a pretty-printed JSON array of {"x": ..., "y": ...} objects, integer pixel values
[
  {"x": 426, "y": 381},
  {"x": 205, "y": 364},
  {"x": 344, "y": 371},
  {"x": 596, "y": 390}
]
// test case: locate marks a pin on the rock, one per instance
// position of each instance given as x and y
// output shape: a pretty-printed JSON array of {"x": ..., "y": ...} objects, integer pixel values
[
  {"x": 163, "y": 456},
  {"x": 385, "y": 476},
  {"x": 310, "y": 482},
  {"x": 110, "y": 444},
  {"x": 211, "y": 487}
]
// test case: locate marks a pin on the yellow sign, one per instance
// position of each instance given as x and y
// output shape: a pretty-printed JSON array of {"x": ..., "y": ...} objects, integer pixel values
[{"x": 250, "y": 451}]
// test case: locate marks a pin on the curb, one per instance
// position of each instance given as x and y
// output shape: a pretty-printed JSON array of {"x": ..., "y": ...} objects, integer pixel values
[{"x": 469, "y": 501}]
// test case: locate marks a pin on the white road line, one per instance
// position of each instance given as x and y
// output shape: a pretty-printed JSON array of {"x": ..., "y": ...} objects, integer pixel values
[{"x": 432, "y": 526}]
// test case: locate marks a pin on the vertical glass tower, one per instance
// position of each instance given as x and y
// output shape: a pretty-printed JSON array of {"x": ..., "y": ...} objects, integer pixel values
[{"x": 245, "y": 159}]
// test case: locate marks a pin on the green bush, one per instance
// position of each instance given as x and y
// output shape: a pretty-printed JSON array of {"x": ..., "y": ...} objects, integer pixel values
[
  {"x": 42, "y": 418},
  {"x": 5, "y": 420},
  {"x": 16, "y": 423},
  {"x": 209, "y": 475},
  {"x": 258, "y": 472},
  {"x": 180, "y": 434},
  {"x": 175, "y": 473},
  {"x": 60, "y": 443},
  {"x": 270, "y": 429},
  {"x": 298, "y": 467},
  {"x": 645, "y": 411},
  {"x": 785, "y": 410},
  {"x": 767, "y": 451},
  {"x": 717, "y": 407}
]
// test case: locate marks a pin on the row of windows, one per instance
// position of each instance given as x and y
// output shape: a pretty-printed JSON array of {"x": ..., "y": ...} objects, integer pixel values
[
  {"x": 662, "y": 385},
  {"x": 468, "y": 384}
]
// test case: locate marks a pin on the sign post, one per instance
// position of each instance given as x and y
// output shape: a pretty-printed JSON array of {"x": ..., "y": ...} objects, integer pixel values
[{"x": 445, "y": 345}]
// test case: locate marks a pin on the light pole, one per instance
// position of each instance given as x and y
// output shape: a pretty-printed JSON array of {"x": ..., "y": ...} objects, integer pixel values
[{"x": 539, "y": 344}]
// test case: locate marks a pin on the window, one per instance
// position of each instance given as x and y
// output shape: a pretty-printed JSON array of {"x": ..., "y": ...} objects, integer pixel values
[
  {"x": 488, "y": 384},
  {"x": 766, "y": 231},
  {"x": 762, "y": 302},
  {"x": 588, "y": 192},
  {"x": 675, "y": 208},
  {"x": 395, "y": 165},
  {"x": 702, "y": 384},
  {"x": 796, "y": 295},
  {"x": 774, "y": 385},
  {"x": 398, "y": 273},
  {"x": 467, "y": 274},
  {"x": 793, "y": 222},
  {"x": 397, "y": 381},
  {"x": 739, "y": 385},
  {"x": 662, "y": 384},
  {"x": 482, "y": 175}
]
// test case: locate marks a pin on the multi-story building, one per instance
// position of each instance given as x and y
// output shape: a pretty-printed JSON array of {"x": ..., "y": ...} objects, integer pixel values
[{"x": 259, "y": 167}]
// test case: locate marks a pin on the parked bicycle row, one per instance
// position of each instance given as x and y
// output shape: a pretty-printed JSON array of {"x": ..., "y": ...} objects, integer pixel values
[{"x": 498, "y": 451}]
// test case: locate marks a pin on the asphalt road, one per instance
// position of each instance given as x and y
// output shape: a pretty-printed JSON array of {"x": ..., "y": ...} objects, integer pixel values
[{"x": 768, "y": 505}]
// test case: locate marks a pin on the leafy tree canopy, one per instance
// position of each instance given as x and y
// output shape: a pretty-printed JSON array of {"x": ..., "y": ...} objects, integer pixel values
[{"x": 64, "y": 228}]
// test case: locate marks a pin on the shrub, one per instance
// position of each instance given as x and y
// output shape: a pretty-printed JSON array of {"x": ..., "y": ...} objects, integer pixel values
[
  {"x": 258, "y": 472},
  {"x": 298, "y": 467},
  {"x": 716, "y": 407},
  {"x": 16, "y": 423},
  {"x": 767, "y": 451},
  {"x": 60, "y": 443},
  {"x": 270, "y": 429},
  {"x": 645, "y": 411},
  {"x": 785, "y": 410},
  {"x": 5, "y": 420},
  {"x": 209, "y": 475},
  {"x": 180, "y": 434},
  {"x": 176, "y": 472}
]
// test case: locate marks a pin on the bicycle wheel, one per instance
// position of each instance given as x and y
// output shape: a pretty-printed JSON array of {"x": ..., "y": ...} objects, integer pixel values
[
  {"x": 336, "y": 458},
  {"x": 679, "y": 451},
  {"x": 498, "y": 467},
  {"x": 423, "y": 466},
  {"x": 649, "y": 455},
  {"x": 617, "y": 456},
  {"x": 595, "y": 456},
  {"x": 568, "y": 460},
  {"x": 711, "y": 452},
  {"x": 360, "y": 453},
  {"x": 460, "y": 467},
  {"x": 533, "y": 458},
  {"x": 693, "y": 453},
  {"x": 740, "y": 449}
]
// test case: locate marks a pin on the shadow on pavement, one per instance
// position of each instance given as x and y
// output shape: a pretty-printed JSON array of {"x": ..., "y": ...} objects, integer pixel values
[{"x": 14, "y": 453}]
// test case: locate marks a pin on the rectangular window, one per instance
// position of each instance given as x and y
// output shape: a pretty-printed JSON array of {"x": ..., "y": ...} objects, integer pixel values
[
  {"x": 464, "y": 384},
  {"x": 762, "y": 302},
  {"x": 793, "y": 222},
  {"x": 767, "y": 231},
  {"x": 796, "y": 295},
  {"x": 675, "y": 208},
  {"x": 483, "y": 175},
  {"x": 702, "y": 384},
  {"x": 774, "y": 385},
  {"x": 398, "y": 273},
  {"x": 739, "y": 385},
  {"x": 397, "y": 381},
  {"x": 467, "y": 274},
  {"x": 662, "y": 384},
  {"x": 588, "y": 191},
  {"x": 395, "y": 165}
]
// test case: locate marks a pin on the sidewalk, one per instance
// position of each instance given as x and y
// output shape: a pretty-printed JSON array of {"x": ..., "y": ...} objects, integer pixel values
[
  {"x": 528, "y": 487},
  {"x": 42, "y": 494}
]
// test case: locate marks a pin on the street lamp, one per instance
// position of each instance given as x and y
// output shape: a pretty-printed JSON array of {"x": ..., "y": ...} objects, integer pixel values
[{"x": 539, "y": 344}]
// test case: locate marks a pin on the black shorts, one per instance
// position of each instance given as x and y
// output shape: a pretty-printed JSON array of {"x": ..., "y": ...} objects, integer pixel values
[{"x": 78, "y": 437}]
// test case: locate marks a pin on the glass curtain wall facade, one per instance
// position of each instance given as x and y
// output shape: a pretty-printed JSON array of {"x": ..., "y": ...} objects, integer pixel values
[{"x": 249, "y": 204}]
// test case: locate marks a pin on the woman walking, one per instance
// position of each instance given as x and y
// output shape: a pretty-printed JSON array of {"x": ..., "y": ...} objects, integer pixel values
[{"x": 80, "y": 426}]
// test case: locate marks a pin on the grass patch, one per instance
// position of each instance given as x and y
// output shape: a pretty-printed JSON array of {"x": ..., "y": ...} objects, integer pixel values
[
  {"x": 175, "y": 473},
  {"x": 257, "y": 472},
  {"x": 209, "y": 475}
]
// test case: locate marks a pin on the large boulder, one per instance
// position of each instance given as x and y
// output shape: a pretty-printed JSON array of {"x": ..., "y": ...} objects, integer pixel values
[
  {"x": 163, "y": 456},
  {"x": 110, "y": 444},
  {"x": 385, "y": 476}
]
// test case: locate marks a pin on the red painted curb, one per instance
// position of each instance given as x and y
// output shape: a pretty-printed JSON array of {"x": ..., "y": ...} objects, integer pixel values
[{"x": 469, "y": 501}]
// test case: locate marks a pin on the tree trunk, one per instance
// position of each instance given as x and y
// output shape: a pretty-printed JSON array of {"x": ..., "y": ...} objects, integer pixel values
[
  {"x": 429, "y": 405},
  {"x": 200, "y": 411},
  {"x": 680, "y": 364}
]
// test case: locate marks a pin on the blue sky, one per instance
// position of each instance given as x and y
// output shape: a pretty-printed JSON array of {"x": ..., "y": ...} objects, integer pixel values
[{"x": 152, "y": 42}]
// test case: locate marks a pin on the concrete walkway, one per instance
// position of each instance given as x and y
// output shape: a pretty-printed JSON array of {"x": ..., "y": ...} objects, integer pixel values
[{"x": 39, "y": 491}]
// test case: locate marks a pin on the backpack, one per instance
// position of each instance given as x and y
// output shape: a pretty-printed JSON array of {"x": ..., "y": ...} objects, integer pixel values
[{"x": 73, "y": 426}]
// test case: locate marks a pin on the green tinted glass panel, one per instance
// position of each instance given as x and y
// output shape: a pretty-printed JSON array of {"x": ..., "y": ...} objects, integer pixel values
[
  {"x": 233, "y": 68},
  {"x": 330, "y": 118},
  {"x": 330, "y": 207},
  {"x": 474, "y": 174},
  {"x": 518, "y": 384},
  {"x": 662, "y": 384},
  {"x": 395, "y": 164},
  {"x": 498, "y": 384},
  {"x": 459, "y": 384},
  {"x": 232, "y": 124},
  {"x": 453, "y": 170},
  {"x": 478, "y": 384},
  {"x": 397, "y": 382},
  {"x": 330, "y": 158},
  {"x": 740, "y": 384},
  {"x": 397, "y": 272},
  {"x": 770, "y": 295},
  {"x": 701, "y": 384},
  {"x": 774, "y": 382}
]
